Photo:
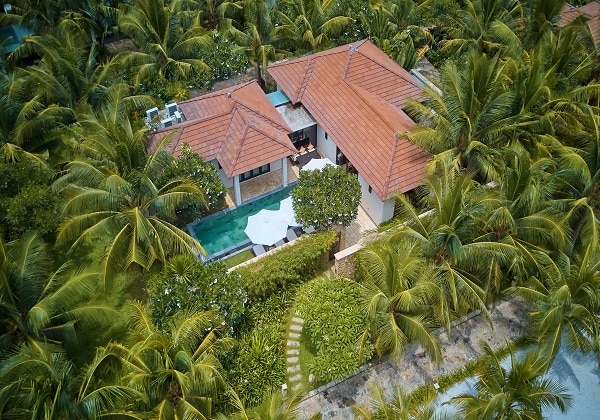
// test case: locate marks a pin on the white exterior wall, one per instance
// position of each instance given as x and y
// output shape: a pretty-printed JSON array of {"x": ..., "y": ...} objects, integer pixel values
[
  {"x": 326, "y": 147},
  {"x": 378, "y": 210},
  {"x": 228, "y": 182}
]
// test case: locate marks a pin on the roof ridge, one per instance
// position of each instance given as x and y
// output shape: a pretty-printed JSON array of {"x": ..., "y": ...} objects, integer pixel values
[
  {"x": 305, "y": 78},
  {"x": 362, "y": 93},
  {"x": 231, "y": 139},
  {"x": 386, "y": 65},
  {"x": 388, "y": 174},
  {"x": 247, "y": 108},
  {"x": 219, "y": 92}
]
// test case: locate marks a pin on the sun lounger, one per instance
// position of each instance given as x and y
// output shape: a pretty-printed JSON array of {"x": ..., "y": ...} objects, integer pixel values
[
  {"x": 291, "y": 235},
  {"x": 279, "y": 243},
  {"x": 258, "y": 250},
  {"x": 309, "y": 229}
]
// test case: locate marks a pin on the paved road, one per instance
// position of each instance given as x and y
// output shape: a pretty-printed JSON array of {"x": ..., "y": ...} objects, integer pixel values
[{"x": 334, "y": 401}]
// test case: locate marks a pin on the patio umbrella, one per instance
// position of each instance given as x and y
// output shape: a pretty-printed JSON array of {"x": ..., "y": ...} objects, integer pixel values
[
  {"x": 266, "y": 227},
  {"x": 317, "y": 164},
  {"x": 287, "y": 212}
]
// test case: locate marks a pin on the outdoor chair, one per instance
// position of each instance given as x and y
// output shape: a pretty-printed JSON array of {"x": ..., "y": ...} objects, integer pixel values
[{"x": 258, "y": 250}]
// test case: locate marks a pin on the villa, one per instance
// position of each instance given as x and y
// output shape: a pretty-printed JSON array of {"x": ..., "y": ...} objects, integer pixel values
[
  {"x": 590, "y": 13},
  {"x": 345, "y": 104}
]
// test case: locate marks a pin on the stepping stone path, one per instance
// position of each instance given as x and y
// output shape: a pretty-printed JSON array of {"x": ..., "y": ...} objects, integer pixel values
[{"x": 292, "y": 351}]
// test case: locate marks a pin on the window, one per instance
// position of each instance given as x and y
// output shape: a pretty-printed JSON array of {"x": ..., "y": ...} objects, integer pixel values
[
  {"x": 370, "y": 189},
  {"x": 326, "y": 136},
  {"x": 255, "y": 172}
]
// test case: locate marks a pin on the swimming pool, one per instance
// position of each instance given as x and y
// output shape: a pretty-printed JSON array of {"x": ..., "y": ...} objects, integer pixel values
[{"x": 223, "y": 232}]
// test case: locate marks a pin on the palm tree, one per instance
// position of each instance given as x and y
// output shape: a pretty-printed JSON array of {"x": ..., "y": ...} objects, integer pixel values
[
  {"x": 113, "y": 199},
  {"x": 308, "y": 25},
  {"x": 398, "y": 287},
  {"x": 450, "y": 237},
  {"x": 471, "y": 117},
  {"x": 38, "y": 384},
  {"x": 69, "y": 73},
  {"x": 27, "y": 127},
  {"x": 45, "y": 309},
  {"x": 275, "y": 407},
  {"x": 257, "y": 39},
  {"x": 484, "y": 25},
  {"x": 565, "y": 306},
  {"x": 398, "y": 408},
  {"x": 519, "y": 392},
  {"x": 168, "y": 35},
  {"x": 176, "y": 369}
]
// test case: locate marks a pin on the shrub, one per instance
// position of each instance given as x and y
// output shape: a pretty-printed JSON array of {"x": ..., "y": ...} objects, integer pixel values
[
  {"x": 186, "y": 284},
  {"x": 287, "y": 267},
  {"x": 333, "y": 321},
  {"x": 259, "y": 365}
]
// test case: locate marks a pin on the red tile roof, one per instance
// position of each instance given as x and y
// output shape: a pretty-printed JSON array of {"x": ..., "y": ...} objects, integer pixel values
[
  {"x": 237, "y": 126},
  {"x": 356, "y": 93},
  {"x": 590, "y": 12}
]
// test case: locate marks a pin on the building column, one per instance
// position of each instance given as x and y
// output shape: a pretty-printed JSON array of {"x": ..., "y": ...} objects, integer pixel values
[
  {"x": 284, "y": 174},
  {"x": 236, "y": 190}
]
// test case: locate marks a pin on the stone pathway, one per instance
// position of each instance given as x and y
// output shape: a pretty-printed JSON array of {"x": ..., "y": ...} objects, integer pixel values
[
  {"x": 292, "y": 353},
  {"x": 334, "y": 401}
]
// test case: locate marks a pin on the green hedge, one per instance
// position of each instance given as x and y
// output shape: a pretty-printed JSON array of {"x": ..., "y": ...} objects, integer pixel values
[{"x": 289, "y": 266}]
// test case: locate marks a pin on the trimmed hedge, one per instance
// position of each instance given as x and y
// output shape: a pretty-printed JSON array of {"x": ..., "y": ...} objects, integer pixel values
[{"x": 289, "y": 266}]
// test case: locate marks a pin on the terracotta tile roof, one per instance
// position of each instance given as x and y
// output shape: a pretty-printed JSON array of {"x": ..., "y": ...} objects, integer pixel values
[
  {"x": 590, "y": 12},
  {"x": 356, "y": 92},
  {"x": 238, "y": 126}
]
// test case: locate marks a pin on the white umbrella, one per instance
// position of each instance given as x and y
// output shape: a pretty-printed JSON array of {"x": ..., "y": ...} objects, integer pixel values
[
  {"x": 266, "y": 227},
  {"x": 287, "y": 212},
  {"x": 317, "y": 164}
]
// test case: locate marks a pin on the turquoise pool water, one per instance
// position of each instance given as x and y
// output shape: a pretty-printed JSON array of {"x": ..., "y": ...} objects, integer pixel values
[{"x": 222, "y": 231}]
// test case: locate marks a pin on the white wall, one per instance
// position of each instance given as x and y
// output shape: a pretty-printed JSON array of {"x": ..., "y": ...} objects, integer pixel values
[
  {"x": 325, "y": 146},
  {"x": 378, "y": 210}
]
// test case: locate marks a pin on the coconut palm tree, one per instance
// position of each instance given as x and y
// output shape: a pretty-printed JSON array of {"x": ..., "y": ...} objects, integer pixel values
[
  {"x": 518, "y": 392},
  {"x": 113, "y": 200},
  {"x": 398, "y": 287},
  {"x": 69, "y": 73},
  {"x": 37, "y": 384},
  {"x": 398, "y": 408},
  {"x": 257, "y": 38},
  {"x": 484, "y": 25},
  {"x": 565, "y": 306},
  {"x": 275, "y": 407},
  {"x": 177, "y": 369},
  {"x": 27, "y": 127},
  {"x": 45, "y": 309},
  {"x": 308, "y": 25},
  {"x": 168, "y": 35},
  {"x": 471, "y": 117}
]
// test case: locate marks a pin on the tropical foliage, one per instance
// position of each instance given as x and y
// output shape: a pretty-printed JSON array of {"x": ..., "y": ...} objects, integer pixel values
[
  {"x": 326, "y": 197},
  {"x": 91, "y": 215}
]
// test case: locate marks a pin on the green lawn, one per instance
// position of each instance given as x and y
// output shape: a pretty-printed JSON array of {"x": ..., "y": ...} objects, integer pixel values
[{"x": 238, "y": 258}]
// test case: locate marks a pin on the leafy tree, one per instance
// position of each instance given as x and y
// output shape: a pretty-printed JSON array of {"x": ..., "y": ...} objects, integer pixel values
[
  {"x": 518, "y": 392},
  {"x": 398, "y": 286},
  {"x": 191, "y": 165},
  {"x": 43, "y": 308},
  {"x": 187, "y": 284},
  {"x": 26, "y": 201},
  {"x": 168, "y": 35},
  {"x": 326, "y": 197}
]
